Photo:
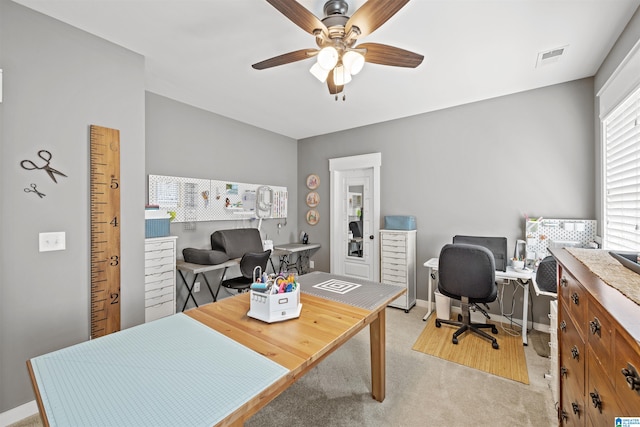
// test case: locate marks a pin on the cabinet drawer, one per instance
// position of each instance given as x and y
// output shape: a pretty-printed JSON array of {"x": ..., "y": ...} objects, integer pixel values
[
  {"x": 393, "y": 237},
  {"x": 169, "y": 260},
  {"x": 158, "y": 268},
  {"x": 150, "y": 286},
  {"x": 394, "y": 280},
  {"x": 575, "y": 299},
  {"x": 394, "y": 257},
  {"x": 159, "y": 276},
  {"x": 149, "y": 255},
  {"x": 626, "y": 352},
  {"x": 573, "y": 410},
  {"x": 600, "y": 400},
  {"x": 158, "y": 296},
  {"x": 600, "y": 333},
  {"x": 572, "y": 353},
  {"x": 158, "y": 246},
  {"x": 399, "y": 266},
  {"x": 158, "y": 311}
]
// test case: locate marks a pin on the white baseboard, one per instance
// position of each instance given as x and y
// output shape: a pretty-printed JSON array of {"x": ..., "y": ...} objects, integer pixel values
[
  {"x": 19, "y": 413},
  {"x": 542, "y": 327}
]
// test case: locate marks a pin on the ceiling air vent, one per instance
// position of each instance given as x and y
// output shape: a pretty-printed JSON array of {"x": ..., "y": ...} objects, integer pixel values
[{"x": 550, "y": 56}]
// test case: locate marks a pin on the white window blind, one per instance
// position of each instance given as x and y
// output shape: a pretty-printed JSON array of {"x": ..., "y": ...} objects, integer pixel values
[{"x": 622, "y": 175}]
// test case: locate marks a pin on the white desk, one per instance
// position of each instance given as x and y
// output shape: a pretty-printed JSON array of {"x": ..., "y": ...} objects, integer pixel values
[
  {"x": 521, "y": 278},
  {"x": 302, "y": 251}
]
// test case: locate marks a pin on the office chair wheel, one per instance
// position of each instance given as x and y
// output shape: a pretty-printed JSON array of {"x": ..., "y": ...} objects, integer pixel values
[
  {"x": 454, "y": 340},
  {"x": 438, "y": 324},
  {"x": 494, "y": 330},
  {"x": 495, "y": 345}
]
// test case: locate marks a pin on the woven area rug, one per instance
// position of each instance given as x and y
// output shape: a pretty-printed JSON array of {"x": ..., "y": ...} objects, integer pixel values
[{"x": 476, "y": 352}]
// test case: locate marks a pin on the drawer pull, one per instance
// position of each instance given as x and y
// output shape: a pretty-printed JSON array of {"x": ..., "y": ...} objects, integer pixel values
[
  {"x": 563, "y": 282},
  {"x": 575, "y": 298},
  {"x": 563, "y": 326},
  {"x": 564, "y": 416},
  {"x": 632, "y": 377},
  {"x": 575, "y": 353},
  {"x": 563, "y": 371},
  {"x": 595, "y": 399},
  {"x": 595, "y": 326},
  {"x": 576, "y": 408}
]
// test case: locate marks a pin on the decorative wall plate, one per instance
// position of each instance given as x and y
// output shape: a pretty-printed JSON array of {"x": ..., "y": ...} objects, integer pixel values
[
  {"x": 313, "y": 217},
  {"x": 313, "y": 181},
  {"x": 313, "y": 199}
]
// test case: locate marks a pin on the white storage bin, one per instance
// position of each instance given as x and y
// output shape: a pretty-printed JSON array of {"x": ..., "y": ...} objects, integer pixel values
[
  {"x": 275, "y": 307},
  {"x": 443, "y": 306}
]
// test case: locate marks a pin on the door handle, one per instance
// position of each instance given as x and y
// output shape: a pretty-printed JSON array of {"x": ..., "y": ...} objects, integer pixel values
[{"x": 371, "y": 237}]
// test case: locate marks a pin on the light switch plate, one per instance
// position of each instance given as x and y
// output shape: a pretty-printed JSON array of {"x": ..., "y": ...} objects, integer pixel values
[{"x": 55, "y": 241}]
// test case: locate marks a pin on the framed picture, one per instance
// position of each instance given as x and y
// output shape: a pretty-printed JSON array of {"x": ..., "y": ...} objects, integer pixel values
[
  {"x": 313, "y": 181},
  {"x": 313, "y": 199},
  {"x": 313, "y": 217}
]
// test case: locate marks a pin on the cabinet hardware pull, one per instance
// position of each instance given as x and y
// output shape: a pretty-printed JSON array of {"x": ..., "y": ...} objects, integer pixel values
[
  {"x": 575, "y": 353},
  {"x": 576, "y": 409},
  {"x": 563, "y": 371},
  {"x": 564, "y": 416},
  {"x": 563, "y": 326},
  {"x": 631, "y": 376},
  {"x": 563, "y": 281},
  {"x": 595, "y": 326},
  {"x": 575, "y": 298},
  {"x": 595, "y": 399}
]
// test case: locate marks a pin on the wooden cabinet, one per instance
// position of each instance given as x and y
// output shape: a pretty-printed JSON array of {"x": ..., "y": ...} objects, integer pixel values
[
  {"x": 160, "y": 277},
  {"x": 398, "y": 264},
  {"x": 598, "y": 347}
]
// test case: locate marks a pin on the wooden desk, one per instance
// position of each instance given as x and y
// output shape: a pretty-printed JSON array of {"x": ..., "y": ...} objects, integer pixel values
[{"x": 284, "y": 351}]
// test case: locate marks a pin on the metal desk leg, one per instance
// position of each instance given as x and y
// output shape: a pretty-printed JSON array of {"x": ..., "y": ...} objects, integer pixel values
[
  {"x": 525, "y": 308},
  {"x": 430, "y": 281},
  {"x": 214, "y": 296},
  {"x": 190, "y": 289}
]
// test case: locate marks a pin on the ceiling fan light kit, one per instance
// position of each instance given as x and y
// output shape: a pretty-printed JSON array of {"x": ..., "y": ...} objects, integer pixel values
[{"x": 337, "y": 59}]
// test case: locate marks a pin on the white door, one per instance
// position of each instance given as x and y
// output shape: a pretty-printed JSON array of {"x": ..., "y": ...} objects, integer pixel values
[{"x": 355, "y": 218}]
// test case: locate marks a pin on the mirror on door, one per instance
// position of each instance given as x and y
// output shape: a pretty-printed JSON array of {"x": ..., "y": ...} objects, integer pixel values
[{"x": 355, "y": 216}]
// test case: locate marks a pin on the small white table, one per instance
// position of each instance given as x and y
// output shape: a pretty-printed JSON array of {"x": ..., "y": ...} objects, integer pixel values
[
  {"x": 521, "y": 278},
  {"x": 302, "y": 251}
]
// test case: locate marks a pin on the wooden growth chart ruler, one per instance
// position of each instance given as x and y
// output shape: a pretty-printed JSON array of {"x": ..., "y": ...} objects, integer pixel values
[{"x": 105, "y": 230}]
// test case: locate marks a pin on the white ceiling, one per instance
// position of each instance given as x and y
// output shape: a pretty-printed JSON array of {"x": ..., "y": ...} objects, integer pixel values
[{"x": 200, "y": 52}]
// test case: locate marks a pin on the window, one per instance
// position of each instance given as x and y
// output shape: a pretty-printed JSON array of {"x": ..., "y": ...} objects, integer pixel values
[{"x": 621, "y": 168}]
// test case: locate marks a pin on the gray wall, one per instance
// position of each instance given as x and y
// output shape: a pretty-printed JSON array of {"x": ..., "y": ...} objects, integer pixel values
[
  {"x": 204, "y": 145},
  {"x": 474, "y": 169},
  {"x": 58, "y": 81}
]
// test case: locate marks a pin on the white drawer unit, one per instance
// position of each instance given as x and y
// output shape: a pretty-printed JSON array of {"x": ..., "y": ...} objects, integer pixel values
[
  {"x": 398, "y": 264},
  {"x": 160, "y": 277}
]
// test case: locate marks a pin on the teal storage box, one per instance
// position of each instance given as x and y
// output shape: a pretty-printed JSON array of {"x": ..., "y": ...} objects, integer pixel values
[
  {"x": 399, "y": 222},
  {"x": 156, "y": 227}
]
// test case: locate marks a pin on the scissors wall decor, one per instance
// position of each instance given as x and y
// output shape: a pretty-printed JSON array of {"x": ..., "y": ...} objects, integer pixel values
[
  {"x": 46, "y": 156},
  {"x": 33, "y": 189}
]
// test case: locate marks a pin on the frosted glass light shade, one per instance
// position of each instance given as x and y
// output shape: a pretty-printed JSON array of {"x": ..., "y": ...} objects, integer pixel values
[
  {"x": 319, "y": 72},
  {"x": 353, "y": 62},
  {"x": 341, "y": 76},
  {"x": 328, "y": 57}
]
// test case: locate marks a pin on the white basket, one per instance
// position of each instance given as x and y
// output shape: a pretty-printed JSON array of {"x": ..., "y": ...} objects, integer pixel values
[{"x": 275, "y": 307}]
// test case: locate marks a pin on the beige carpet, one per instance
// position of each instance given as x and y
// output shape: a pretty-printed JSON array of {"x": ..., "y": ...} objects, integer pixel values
[{"x": 476, "y": 352}]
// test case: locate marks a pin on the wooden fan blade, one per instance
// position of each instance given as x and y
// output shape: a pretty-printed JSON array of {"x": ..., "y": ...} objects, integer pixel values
[
  {"x": 299, "y": 15},
  {"x": 388, "y": 55},
  {"x": 371, "y": 15},
  {"x": 333, "y": 88},
  {"x": 286, "y": 58}
]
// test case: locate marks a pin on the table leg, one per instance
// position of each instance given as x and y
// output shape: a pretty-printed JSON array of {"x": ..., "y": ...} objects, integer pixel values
[
  {"x": 190, "y": 289},
  {"x": 525, "y": 309},
  {"x": 377, "y": 340},
  {"x": 430, "y": 283},
  {"x": 214, "y": 296}
]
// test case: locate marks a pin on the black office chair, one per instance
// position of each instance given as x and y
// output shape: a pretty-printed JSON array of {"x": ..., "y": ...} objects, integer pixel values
[
  {"x": 248, "y": 263},
  {"x": 356, "y": 229},
  {"x": 467, "y": 273}
]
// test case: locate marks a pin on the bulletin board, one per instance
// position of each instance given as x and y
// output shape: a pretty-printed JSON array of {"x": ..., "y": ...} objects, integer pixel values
[
  {"x": 193, "y": 199},
  {"x": 546, "y": 233}
]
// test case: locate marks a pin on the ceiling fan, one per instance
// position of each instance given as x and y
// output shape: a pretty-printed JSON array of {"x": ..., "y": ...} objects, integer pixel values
[{"x": 338, "y": 58}]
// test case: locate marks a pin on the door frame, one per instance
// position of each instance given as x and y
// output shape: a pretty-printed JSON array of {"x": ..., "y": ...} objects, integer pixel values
[{"x": 336, "y": 166}]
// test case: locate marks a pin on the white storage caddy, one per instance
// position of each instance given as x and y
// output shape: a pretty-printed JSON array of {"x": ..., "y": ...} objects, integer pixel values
[{"x": 272, "y": 308}]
